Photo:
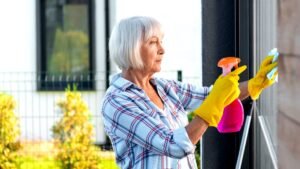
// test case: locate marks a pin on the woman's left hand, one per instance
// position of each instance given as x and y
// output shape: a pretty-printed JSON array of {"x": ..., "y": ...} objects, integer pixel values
[{"x": 260, "y": 81}]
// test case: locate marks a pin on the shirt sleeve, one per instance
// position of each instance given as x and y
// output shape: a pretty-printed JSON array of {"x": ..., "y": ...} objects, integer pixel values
[
  {"x": 191, "y": 96},
  {"x": 124, "y": 119}
]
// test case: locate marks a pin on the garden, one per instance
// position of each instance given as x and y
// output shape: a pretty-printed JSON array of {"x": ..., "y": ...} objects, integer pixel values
[{"x": 72, "y": 144}]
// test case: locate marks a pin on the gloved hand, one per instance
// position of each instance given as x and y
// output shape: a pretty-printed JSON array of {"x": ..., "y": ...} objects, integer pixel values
[
  {"x": 260, "y": 80},
  {"x": 225, "y": 90}
]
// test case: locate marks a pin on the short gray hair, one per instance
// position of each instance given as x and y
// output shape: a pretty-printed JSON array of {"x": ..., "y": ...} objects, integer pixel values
[{"x": 126, "y": 40}]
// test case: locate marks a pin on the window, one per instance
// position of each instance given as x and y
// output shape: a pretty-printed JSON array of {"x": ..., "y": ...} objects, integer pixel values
[{"x": 66, "y": 53}]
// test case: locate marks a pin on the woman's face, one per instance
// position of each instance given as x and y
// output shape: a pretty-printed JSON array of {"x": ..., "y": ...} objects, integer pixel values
[{"x": 152, "y": 53}]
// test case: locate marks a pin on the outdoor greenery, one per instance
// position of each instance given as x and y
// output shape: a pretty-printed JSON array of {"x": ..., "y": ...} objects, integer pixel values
[
  {"x": 73, "y": 134},
  {"x": 37, "y": 156},
  {"x": 9, "y": 132},
  {"x": 46, "y": 163},
  {"x": 70, "y": 53}
]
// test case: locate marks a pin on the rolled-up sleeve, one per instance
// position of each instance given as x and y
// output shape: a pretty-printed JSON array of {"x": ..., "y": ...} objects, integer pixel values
[
  {"x": 181, "y": 137},
  {"x": 123, "y": 119}
]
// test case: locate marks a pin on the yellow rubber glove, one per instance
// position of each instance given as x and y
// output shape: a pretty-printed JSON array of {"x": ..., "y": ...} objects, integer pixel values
[
  {"x": 260, "y": 80},
  {"x": 225, "y": 90}
]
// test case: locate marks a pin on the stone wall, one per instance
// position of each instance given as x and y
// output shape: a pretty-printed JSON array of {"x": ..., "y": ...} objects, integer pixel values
[{"x": 289, "y": 84}]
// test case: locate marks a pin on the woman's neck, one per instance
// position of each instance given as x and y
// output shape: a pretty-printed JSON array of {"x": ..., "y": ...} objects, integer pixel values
[
  {"x": 138, "y": 77},
  {"x": 143, "y": 81}
]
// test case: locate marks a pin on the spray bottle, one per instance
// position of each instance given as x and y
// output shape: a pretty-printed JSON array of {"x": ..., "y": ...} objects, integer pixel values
[{"x": 233, "y": 115}]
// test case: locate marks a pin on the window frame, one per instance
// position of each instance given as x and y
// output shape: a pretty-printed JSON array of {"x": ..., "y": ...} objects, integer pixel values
[{"x": 52, "y": 83}]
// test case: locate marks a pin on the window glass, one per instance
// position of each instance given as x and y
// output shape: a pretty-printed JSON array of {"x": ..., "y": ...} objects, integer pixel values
[{"x": 66, "y": 43}]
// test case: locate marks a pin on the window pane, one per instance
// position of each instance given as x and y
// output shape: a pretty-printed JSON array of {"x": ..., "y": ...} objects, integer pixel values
[{"x": 67, "y": 40}]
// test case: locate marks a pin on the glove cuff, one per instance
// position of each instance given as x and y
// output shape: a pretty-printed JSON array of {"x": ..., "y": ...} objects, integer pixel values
[{"x": 212, "y": 115}]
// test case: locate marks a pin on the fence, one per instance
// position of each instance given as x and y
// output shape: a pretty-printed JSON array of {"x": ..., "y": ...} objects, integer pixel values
[{"x": 38, "y": 110}]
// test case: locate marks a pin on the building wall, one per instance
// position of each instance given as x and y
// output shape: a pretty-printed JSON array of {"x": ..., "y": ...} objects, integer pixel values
[
  {"x": 18, "y": 36},
  {"x": 289, "y": 79}
]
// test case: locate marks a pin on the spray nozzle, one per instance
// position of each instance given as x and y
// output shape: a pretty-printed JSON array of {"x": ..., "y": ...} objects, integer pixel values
[{"x": 228, "y": 63}]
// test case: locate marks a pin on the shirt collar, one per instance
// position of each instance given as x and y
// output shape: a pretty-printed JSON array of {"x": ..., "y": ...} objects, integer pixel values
[{"x": 120, "y": 82}]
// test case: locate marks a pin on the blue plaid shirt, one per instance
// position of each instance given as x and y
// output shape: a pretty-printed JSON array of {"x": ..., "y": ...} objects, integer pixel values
[{"x": 144, "y": 136}]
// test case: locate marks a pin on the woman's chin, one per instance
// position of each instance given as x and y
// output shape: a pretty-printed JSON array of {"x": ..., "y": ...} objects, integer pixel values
[{"x": 158, "y": 69}]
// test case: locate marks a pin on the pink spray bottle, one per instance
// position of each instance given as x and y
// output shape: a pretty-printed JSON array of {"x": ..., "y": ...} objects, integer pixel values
[{"x": 233, "y": 115}]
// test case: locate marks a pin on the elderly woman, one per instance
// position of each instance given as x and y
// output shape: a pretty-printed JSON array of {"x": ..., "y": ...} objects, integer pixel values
[{"x": 146, "y": 117}]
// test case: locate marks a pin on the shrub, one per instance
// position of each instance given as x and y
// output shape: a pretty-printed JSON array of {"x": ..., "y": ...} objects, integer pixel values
[
  {"x": 73, "y": 134},
  {"x": 9, "y": 132}
]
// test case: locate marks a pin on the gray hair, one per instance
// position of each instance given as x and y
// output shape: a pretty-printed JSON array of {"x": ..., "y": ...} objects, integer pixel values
[{"x": 126, "y": 40}]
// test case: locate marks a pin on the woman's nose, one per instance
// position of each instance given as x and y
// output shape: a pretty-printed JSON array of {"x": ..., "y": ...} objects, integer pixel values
[{"x": 161, "y": 49}]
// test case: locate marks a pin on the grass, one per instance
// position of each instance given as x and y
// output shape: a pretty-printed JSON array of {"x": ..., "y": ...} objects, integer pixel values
[
  {"x": 29, "y": 162},
  {"x": 40, "y": 155}
]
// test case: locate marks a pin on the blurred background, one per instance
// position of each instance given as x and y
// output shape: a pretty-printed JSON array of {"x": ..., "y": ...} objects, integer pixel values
[{"x": 48, "y": 45}]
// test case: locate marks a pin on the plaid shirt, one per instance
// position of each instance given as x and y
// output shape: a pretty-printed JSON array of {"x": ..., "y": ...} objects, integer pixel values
[{"x": 143, "y": 135}]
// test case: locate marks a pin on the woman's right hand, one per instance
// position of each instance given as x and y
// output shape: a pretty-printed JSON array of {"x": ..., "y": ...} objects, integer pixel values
[{"x": 225, "y": 90}]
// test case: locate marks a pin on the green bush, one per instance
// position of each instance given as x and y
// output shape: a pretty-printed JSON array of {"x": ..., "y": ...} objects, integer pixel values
[
  {"x": 9, "y": 132},
  {"x": 73, "y": 134}
]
